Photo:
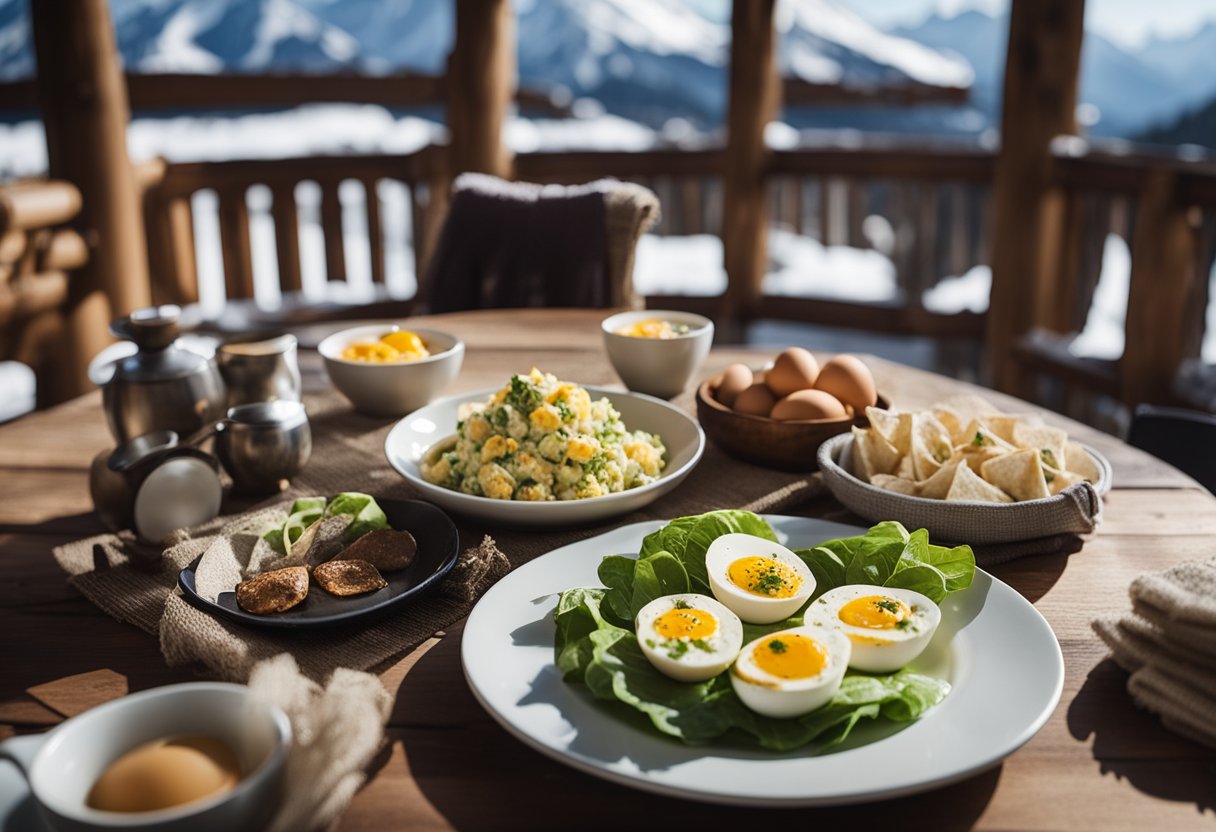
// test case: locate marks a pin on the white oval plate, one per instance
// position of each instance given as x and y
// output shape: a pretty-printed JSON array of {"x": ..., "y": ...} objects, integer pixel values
[
  {"x": 410, "y": 439},
  {"x": 994, "y": 647}
]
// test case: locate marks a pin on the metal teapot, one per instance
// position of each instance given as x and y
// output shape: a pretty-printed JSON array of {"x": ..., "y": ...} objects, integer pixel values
[{"x": 161, "y": 386}]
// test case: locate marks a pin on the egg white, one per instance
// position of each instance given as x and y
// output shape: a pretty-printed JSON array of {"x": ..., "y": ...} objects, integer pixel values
[
  {"x": 691, "y": 662},
  {"x": 774, "y": 696},
  {"x": 753, "y": 608},
  {"x": 879, "y": 650}
]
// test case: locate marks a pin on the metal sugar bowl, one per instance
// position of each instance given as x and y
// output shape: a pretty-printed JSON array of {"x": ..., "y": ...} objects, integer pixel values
[{"x": 162, "y": 386}]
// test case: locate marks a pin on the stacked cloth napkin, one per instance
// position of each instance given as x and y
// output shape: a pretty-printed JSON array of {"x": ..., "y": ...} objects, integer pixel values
[{"x": 1168, "y": 644}]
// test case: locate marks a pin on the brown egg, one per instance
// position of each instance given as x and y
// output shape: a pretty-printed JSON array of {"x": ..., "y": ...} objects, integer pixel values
[
  {"x": 734, "y": 380},
  {"x": 802, "y": 405},
  {"x": 846, "y": 378},
  {"x": 794, "y": 369},
  {"x": 756, "y": 400}
]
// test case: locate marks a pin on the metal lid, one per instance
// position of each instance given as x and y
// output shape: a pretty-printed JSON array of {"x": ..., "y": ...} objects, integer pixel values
[{"x": 154, "y": 330}]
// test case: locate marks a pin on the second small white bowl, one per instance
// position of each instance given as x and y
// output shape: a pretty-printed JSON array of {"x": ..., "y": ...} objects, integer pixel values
[
  {"x": 391, "y": 389},
  {"x": 657, "y": 366}
]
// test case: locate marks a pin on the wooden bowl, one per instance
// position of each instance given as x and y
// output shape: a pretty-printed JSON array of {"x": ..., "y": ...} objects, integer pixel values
[{"x": 786, "y": 446}]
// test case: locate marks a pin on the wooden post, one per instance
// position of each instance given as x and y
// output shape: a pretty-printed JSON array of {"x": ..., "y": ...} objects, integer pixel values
[
  {"x": 754, "y": 91},
  {"x": 480, "y": 86},
  {"x": 1159, "y": 295},
  {"x": 1041, "y": 69},
  {"x": 84, "y": 110}
]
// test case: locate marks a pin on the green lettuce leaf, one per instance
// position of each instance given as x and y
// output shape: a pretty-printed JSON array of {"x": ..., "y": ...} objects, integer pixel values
[
  {"x": 608, "y": 659},
  {"x": 368, "y": 516}
]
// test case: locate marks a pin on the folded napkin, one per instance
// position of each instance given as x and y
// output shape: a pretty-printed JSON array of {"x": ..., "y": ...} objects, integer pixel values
[
  {"x": 338, "y": 729},
  {"x": 1168, "y": 644}
]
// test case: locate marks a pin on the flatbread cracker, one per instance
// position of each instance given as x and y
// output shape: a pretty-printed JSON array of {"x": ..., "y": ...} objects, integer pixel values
[
  {"x": 884, "y": 421},
  {"x": 969, "y": 487},
  {"x": 951, "y": 421},
  {"x": 1058, "y": 480},
  {"x": 1019, "y": 474}
]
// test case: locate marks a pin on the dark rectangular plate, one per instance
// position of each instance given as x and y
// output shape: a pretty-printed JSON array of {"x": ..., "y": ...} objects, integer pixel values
[{"x": 438, "y": 548}]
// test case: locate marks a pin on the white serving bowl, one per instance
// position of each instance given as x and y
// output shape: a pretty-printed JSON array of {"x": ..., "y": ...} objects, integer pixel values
[
  {"x": 391, "y": 389},
  {"x": 63, "y": 764},
  {"x": 657, "y": 366},
  {"x": 411, "y": 438}
]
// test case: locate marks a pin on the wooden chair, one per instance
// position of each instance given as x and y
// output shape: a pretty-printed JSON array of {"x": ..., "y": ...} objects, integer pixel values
[
  {"x": 516, "y": 244},
  {"x": 37, "y": 255},
  {"x": 1185, "y": 439}
]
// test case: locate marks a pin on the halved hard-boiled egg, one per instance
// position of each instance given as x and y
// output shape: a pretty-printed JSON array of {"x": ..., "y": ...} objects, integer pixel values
[
  {"x": 761, "y": 581},
  {"x": 791, "y": 672},
  {"x": 888, "y": 627},
  {"x": 688, "y": 637}
]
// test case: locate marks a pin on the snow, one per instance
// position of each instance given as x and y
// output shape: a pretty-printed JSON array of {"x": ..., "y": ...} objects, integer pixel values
[
  {"x": 175, "y": 49},
  {"x": 282, "y": 20},
  {"x": 960, "y": 293},
  {"x": 804, "y": 267}
]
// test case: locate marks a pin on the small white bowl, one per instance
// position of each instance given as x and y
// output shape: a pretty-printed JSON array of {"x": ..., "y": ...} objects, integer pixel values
[
  {"x": 657, "y": 366},
  {"x": 63, "y": 764},
  {"x": 391, "y": 389}
]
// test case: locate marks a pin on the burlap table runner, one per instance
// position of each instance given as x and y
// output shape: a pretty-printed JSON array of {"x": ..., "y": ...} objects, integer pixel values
[{"x": 348, "y": 456}]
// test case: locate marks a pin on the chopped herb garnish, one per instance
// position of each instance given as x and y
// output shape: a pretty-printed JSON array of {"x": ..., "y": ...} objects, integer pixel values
[
  {"x": 676, "y": 648},
  {"x": 523, "y": 396},
  {"x": 681, "y": 604},
  {"x": 903, "y": 625},
  {"x": 1048, "y": 458},
  {"x": 701, "y": 644},
  {"x": 1049, "y": 477},
  {"x": 978, "y": 440},
  {"x": 888, "y": 605},
  {"x": 769, "y": 583},
  {"x": 777, "y": 645},
  {"x": 563, "y": 409},
  {"x": 501, "y": 417}
]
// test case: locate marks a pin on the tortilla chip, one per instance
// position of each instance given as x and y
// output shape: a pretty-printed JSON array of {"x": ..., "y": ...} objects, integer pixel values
[
  {"x": 1078, "y": 461},
  {"x": 1058, "y": 480},
  {"x": 969, "y": 407},
  {"x": 938, "y": 485},
  {"x": 906, "y": 468},
  {"x": 968, "y": 487},
  {"x": 1049, "y": 442},
  {"x": 897, "y": 484},
  {"x": 931, "y": 445},
  {"x": 872, "y": 453},
  {"x": 978, "y": 434},
  {"x": 1002, "y": 426},
  {"x": 976, "y": 455},
  {"x": 1019, "y": 474},
  {"x": 884, "y": 421},
  {"x": 951, "y": 421}
]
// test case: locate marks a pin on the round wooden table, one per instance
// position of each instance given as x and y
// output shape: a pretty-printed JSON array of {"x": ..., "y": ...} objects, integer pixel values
[{"x": 1099, "y": 763}]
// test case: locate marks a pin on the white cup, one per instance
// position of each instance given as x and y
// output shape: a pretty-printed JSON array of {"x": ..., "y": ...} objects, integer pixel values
[{"x": 62, "y": 765}]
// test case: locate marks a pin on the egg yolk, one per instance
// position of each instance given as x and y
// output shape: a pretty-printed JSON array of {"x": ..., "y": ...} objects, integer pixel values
[
  {"x": 764, "y": 576},
  {"x": 407, "y": 343},
  {"x": 875, "y": 612},
  {"x": 652, "y": 328},
  {"x": 686, "y": 623},
  {"x": 791, "y": 656},
  {"x": 392, "y": 348}
]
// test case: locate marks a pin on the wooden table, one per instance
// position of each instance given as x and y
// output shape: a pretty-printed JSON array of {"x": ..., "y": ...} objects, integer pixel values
[{"x": 1099, "y": 763}]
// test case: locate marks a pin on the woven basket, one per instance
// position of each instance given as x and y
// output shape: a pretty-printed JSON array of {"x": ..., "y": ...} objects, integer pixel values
[{"x": 1075, "y": 510}]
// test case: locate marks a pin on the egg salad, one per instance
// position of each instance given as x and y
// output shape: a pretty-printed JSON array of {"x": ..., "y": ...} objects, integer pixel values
[{"x": 540, "y": 439}]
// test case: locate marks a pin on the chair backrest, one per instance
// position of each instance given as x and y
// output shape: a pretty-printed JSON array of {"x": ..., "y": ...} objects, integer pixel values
[
  {"x": 515, "y": 244},
  {"x": 1185, "y": 439}
]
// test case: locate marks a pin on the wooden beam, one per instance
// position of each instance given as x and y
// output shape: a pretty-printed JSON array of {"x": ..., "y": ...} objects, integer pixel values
[
  {"x": 480, "y": 86},
  {"x": 84, "y": 107},
  {"x": 37, "y": 204},
  {"x": 1162, "y": 282},
  {"x": 172, "y": 91},
  {"x": 796, "y": 92},
  {"x": 1041, "y": 68},
  {"x": 753, "y": 103}
]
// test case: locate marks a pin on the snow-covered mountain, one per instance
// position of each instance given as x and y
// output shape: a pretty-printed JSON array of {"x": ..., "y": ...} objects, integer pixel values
[
  {"x": 1128, "y": 92},
  {"x": 650, "y": 60},
  {"x": 1186, "y": 60}
]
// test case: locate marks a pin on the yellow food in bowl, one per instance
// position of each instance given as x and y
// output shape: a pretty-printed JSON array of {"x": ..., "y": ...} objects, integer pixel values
[
  {"x": 654, "y": 328},
  {"x": 393, "y": 348}
]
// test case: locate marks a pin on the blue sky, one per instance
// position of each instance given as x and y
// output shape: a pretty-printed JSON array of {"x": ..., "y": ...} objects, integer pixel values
[{"x": 1127, "y": 22}]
